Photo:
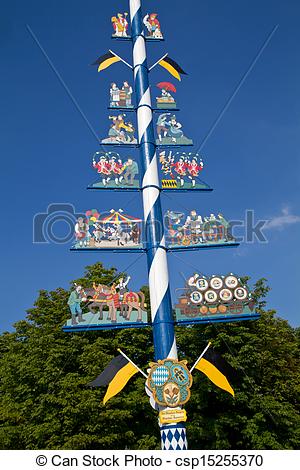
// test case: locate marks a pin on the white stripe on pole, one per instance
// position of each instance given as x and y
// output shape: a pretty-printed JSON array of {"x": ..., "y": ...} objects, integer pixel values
[
  {"x": 158, "y": 280},
  {"x": 173, "y": 352},
  {"x": 146, "y": 99},
  {"x": 144, "y": 116},
  {"x": 151, "y": 174},
  {"x": 134, "y": 6},
  {"x": 149, "y": 197},
  {"x": 139, "y": 51}
]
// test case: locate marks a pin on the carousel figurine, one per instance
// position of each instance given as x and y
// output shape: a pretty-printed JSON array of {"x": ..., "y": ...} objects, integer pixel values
[
  {"x": 166, "y": 100},
  {"x": 169, "y": 131},
  {"x": 120, "y": 25},
  {"x": 115, "y": 230},
  {"x": 153, "y": 26},
  {"x": 120, "y": 132}
]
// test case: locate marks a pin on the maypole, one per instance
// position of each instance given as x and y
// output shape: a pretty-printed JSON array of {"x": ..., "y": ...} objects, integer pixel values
[
  {"x": 160, "y": 297},
  {"x": 203, "y": 299}
]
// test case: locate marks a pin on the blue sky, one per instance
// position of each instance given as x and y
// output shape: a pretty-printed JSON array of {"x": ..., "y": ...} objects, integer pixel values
[{"x": 251, "y": 159}]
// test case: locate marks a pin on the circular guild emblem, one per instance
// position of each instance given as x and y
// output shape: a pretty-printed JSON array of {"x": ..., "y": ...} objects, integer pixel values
[
  {"x": 231, "y": 282},
  {"x": 196, "y": 297},
  {"x": 202, "y": 284},
  {"x": 240, "y": 293},
  {"x": 216, "y": 282},
  {"x": 170, "y": 381},
  {"x": 211, "y": 296},
  {"x": 226, "y": 295}
]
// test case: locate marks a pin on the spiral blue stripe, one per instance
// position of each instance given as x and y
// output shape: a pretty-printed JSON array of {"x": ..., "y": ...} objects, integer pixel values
[{"x": 136, "y": 21}]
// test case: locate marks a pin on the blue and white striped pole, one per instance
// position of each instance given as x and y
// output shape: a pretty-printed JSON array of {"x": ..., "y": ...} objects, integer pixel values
[{"x": 173, "y": 436}]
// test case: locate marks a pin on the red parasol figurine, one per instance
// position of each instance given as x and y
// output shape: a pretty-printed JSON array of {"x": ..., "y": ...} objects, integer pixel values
[{"x": 166, "y": 86}]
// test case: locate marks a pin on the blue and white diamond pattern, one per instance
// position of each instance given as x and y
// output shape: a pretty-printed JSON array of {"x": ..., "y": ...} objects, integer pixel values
[
  {"x": 173, "y": 438},
  {"x": 160, "y": 375}
]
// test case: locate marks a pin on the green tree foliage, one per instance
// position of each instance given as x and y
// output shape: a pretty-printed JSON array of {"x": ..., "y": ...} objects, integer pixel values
[{"x": 44, "y": 401}]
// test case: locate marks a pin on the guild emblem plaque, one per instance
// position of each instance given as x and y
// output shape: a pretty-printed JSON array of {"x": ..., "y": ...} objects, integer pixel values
[{"x": 170, "y": 380}]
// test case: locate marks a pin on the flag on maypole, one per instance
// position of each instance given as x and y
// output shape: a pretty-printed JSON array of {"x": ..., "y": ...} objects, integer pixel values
[
  {"x": 116, "y": 375},
  {"x": 106, "y": 60},
  {"x": 215, "y": 368},
  {"x": 172, "y": 67}
]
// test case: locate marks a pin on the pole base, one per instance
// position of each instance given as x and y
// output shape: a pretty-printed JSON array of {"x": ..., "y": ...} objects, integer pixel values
[{"x": 173, "y": 437}]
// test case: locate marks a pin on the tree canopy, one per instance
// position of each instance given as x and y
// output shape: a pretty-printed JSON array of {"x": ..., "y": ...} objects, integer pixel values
[{"x": 45, "y": 403}]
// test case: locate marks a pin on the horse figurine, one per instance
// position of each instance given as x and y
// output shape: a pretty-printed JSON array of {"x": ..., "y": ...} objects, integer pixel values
[{"x": 102, "y": 295}]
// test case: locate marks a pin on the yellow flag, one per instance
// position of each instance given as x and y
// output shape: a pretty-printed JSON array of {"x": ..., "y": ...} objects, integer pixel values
[
  {"x": 116, "y": 375},
  {"x": 216, "y": 369}
]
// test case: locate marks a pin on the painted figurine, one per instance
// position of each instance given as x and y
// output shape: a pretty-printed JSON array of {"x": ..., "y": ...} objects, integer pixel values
[
  {"x": 180, "y": 169},
  {"x": 197, "y": 230},
  {"x": 227, "y": 227},
  {"x": 173, "y": 221},
  {"x": 98, "y": 232},
  {"x": 191, "y": 282},
  {"x": 161, "y": 126},
  {"x": 114, "y": 230},
  {"x": 167, "y": 163},
  {"x": 116, "y": 168},
  {"x": 166, "y": 100},
  {"x": 174, "y": 130},
  {"x": 82, "y": 233},
  {"x": 120, "y": 25},
  {"x": 127, "y": 94},
  {"x": 120, "y": 131},
  {"x": 76, "y": 297},
  {"x": 194, "y": 223},
  {"x": 169, "y": 131},
  {"x": 135, "y": 233},
  {"x": 122, "y": 288},
  {"x": 153, "y": 26},
  {"x": 130, "y": 171},
  {"x": 102, "y": 167},
  {"x": 114, "y": 95},
  {"x": 114, "y": 171},
  {"x": 193, "y": 168},
  {"x": 121, "y": 97},
  {"x": 116, "y": 297}
]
